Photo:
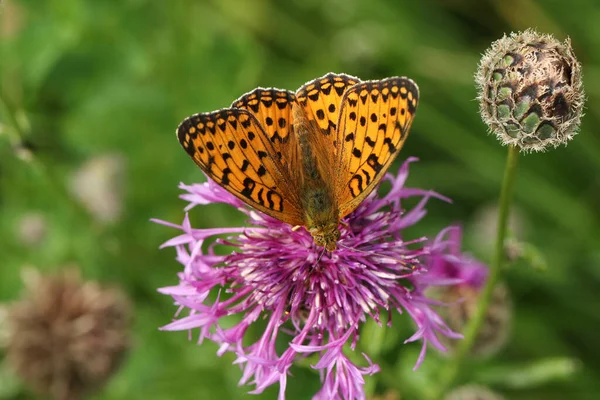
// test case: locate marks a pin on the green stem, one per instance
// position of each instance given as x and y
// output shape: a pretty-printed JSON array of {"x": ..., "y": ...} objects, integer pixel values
[
  {"x": 452, "y": 369},
  {"x": 15, "y": 134}
]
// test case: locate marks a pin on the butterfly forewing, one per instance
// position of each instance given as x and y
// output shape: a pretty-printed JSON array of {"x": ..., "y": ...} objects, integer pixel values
[
  {"x": 374, "y": 121},
  {"x": 321, "y": 100},
  {"x": 233, "y": 149}
]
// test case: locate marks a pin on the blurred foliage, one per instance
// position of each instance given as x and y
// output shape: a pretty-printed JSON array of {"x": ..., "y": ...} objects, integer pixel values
[{"x": 82, "y": 79}]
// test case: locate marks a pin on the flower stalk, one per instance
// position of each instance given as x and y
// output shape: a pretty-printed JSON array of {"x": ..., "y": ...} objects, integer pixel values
[{"x": 472, "y": 329}]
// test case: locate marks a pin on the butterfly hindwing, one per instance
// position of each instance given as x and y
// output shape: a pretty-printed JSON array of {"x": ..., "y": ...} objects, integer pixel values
[
  {"x": 373, "y": 124},
  {"x": 232, "y": 148}
]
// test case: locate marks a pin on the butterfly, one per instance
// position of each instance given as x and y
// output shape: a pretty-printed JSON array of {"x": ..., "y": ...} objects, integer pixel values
[{"x": 307, "y": 158}]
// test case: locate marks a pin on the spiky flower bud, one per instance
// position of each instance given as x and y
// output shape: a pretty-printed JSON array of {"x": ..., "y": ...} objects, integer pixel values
[
  {"x": 66, "y": 337},
  {"x": 473, "y": 392},
  {"x": 530, "y": 90}
]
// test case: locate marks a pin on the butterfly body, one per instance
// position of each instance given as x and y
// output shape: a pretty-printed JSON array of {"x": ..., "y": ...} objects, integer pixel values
[
  {"x": 318, "y": 200},
  {"x": 306, "y": 158}
]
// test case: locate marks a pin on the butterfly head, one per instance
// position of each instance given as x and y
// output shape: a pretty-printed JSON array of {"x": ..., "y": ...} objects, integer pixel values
[{"x": 326, "y": 236}]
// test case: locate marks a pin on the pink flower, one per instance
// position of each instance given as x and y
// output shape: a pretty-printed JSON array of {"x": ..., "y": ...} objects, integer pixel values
[{"x": 315, "y": 299}]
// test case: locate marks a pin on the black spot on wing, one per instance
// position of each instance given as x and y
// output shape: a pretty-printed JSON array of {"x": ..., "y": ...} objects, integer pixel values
[
  {"x": 373, "y": 162},
  {"x": 225, "y": 178},
  {"x": 356, "y": 185},
  {"x": 367, "y": 176},
  {"x": 261, "y": 171},
  {"x": 274, "y": 200},
  {"x": 249, "y": 186},
  {"x": 254, "y": 106},
  {"x": 245, "y": 165},
  {"x": 259, "y": 197},
  {"x": 391, "y": 147}
]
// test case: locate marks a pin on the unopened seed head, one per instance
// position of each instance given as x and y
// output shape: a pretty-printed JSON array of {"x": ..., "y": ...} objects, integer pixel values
[{"x": 530, "y": 90}]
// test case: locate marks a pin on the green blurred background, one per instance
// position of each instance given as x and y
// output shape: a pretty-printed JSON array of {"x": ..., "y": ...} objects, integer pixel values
[{"x": 95, "y": 89}]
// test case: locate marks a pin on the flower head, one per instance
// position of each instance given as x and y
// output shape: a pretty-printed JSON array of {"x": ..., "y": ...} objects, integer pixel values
[
  {"x": 66, "y": 337},
  {"x": 313, "y": 299},
  {"x": 462, "y": 296},
  {"x": 530, "y": 90}
]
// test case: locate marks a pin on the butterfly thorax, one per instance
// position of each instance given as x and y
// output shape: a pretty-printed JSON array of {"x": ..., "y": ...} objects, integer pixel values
[{"x": 321, "y": 213}]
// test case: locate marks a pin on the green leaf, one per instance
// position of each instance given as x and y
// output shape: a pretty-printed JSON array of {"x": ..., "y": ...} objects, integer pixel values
[{"x": 530, "y": 375}]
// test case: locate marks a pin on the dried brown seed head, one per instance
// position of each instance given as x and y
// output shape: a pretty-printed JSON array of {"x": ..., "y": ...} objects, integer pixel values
[{"x": 66, "y": 336}]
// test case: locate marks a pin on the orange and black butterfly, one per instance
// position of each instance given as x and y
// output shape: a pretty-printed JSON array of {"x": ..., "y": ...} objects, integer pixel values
[{"x": 307, "y": 158}]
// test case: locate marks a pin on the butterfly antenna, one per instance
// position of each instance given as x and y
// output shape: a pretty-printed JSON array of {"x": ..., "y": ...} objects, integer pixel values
[{"x": 321, "y": 255}]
